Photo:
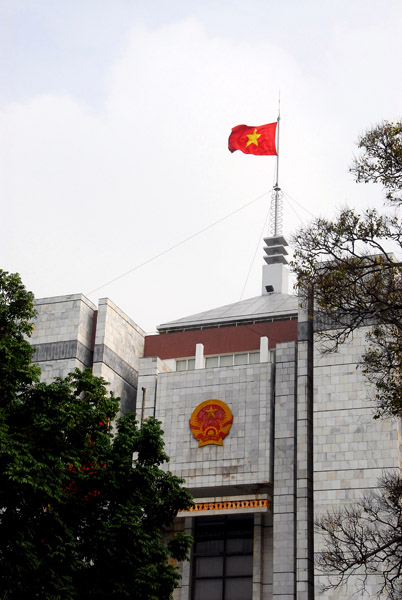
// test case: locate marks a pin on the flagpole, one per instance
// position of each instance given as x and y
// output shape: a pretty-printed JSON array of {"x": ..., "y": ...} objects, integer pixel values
[
  {"x": 276, "y": 201},
  {"x": 277, "y": 147}
]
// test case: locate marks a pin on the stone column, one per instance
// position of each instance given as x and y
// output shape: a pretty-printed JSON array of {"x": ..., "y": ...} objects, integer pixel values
[
  {"x": 304, "y": 428},
  {"x": 267, "y": 556},
  {"x": 148, "y": 372},
  {"x": 284, "y": 499},
  {"x": 257, "y": 557},
  {"x": 184, "y": 591}
]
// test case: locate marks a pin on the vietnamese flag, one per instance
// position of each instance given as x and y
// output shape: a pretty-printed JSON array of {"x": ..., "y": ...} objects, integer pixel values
[{"x": 253, "y": 140}]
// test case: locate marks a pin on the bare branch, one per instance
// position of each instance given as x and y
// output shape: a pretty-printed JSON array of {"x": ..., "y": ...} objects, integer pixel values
[
  {"x": 357, "y": 281},
  {"x": 365, "y": 539}
]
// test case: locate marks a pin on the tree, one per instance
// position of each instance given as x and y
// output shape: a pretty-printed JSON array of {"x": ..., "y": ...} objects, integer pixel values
[
  {"x": 381, "y": 159},
  {"x": 369, "y": 535},
  {"x": 79, "y": 516},
  {"x": 16, "y": 315},
  {"x": 357, "y": 282}
]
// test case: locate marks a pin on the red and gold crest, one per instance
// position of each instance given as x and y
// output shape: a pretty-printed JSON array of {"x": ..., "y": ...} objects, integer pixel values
[{"x": 211, "y": 422}]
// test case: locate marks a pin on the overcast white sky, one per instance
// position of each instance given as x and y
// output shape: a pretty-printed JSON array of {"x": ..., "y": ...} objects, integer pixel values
[{"x": 114, "y": 119}]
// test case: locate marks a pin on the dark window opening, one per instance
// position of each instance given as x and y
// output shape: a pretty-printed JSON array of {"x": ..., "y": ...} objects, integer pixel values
[{"x": 223, "y": 558}]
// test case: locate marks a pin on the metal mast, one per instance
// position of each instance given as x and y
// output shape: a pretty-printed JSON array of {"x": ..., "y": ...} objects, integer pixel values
[
  {"x": 275, "y": 272},
  {"x": 276, "y": 214}
]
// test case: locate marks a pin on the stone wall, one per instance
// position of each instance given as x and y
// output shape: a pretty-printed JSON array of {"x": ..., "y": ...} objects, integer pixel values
[
  {"x": 119, "y": 344},
  {"x": 62, "y": 336},
  {"x": 351, "y": 449},
  {"x": 284, "y": 508},
  {"x": 70, "y": 332},
  {"x": 245, "y": 458}
]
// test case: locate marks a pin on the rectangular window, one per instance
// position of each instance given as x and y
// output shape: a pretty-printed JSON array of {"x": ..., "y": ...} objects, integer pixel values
[
  {"x": 253, "y": 358},
  {"x": 226, "y": 360},
  {"x": 222, "y": 564},
  {"x": 241, "y": 359},
  {"x": 220, "y": 360},
  {"x": 185, "y": 364}
]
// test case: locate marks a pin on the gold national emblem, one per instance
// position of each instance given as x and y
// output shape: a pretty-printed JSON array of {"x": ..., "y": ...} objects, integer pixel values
[{"x": 211, "y": 422}]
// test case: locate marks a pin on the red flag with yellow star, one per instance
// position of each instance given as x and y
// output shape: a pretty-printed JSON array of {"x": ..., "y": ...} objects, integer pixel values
[{"x": 253, "y": 140}]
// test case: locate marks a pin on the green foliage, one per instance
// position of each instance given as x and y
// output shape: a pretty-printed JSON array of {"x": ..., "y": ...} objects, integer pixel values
[
  {"x": 16, "y": 315},
  {"x": 357, "y": 282},
  {"x": 79, "y": 516},
  {"x": 380, "y": 160}
]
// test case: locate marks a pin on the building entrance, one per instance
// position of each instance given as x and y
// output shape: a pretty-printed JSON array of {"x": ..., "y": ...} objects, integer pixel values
[{"x": 223, "y": 558}]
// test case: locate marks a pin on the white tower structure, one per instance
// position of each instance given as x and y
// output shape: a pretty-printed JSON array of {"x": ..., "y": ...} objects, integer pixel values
[{"x": 275, "y": 273}]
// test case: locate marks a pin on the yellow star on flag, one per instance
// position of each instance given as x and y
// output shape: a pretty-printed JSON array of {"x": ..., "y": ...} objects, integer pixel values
[{"x": 253, "y": 138}]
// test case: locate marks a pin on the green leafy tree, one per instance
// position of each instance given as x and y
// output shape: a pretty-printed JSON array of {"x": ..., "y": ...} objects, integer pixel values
[
  {"x": 16, "y": 315},
  {"x": 380, "y": 160},
  {"x": 84, "y": 503},
  {"x": 356, "y": 282}
]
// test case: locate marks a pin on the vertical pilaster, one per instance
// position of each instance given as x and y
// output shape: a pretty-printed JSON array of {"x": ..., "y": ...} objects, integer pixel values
[
  {"x": 147, "y": 386},
  {"x": 304, "y": 427},
  {"x": 184, "y": 592},
  {"x": 284, "y": 505},
  {"x": 267, "y": 556},
  {"x": 257, "y": 557}
]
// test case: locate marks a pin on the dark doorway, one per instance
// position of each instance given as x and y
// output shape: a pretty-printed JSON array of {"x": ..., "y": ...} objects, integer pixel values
[{"x": 223, "y": 558}]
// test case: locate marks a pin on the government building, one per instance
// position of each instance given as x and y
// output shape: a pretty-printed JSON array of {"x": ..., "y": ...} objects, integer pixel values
[{"x": 266, "y": 431}]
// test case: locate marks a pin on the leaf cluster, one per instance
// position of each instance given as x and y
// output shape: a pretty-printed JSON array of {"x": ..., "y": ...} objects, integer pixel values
[
  {"x": 76, "y": 506},
  {"x": 83, "y": 498},
  {"x": 356, "y": 282},
  {"x": 16, "y": 315},
  {"x": 380, "y": 160}
]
